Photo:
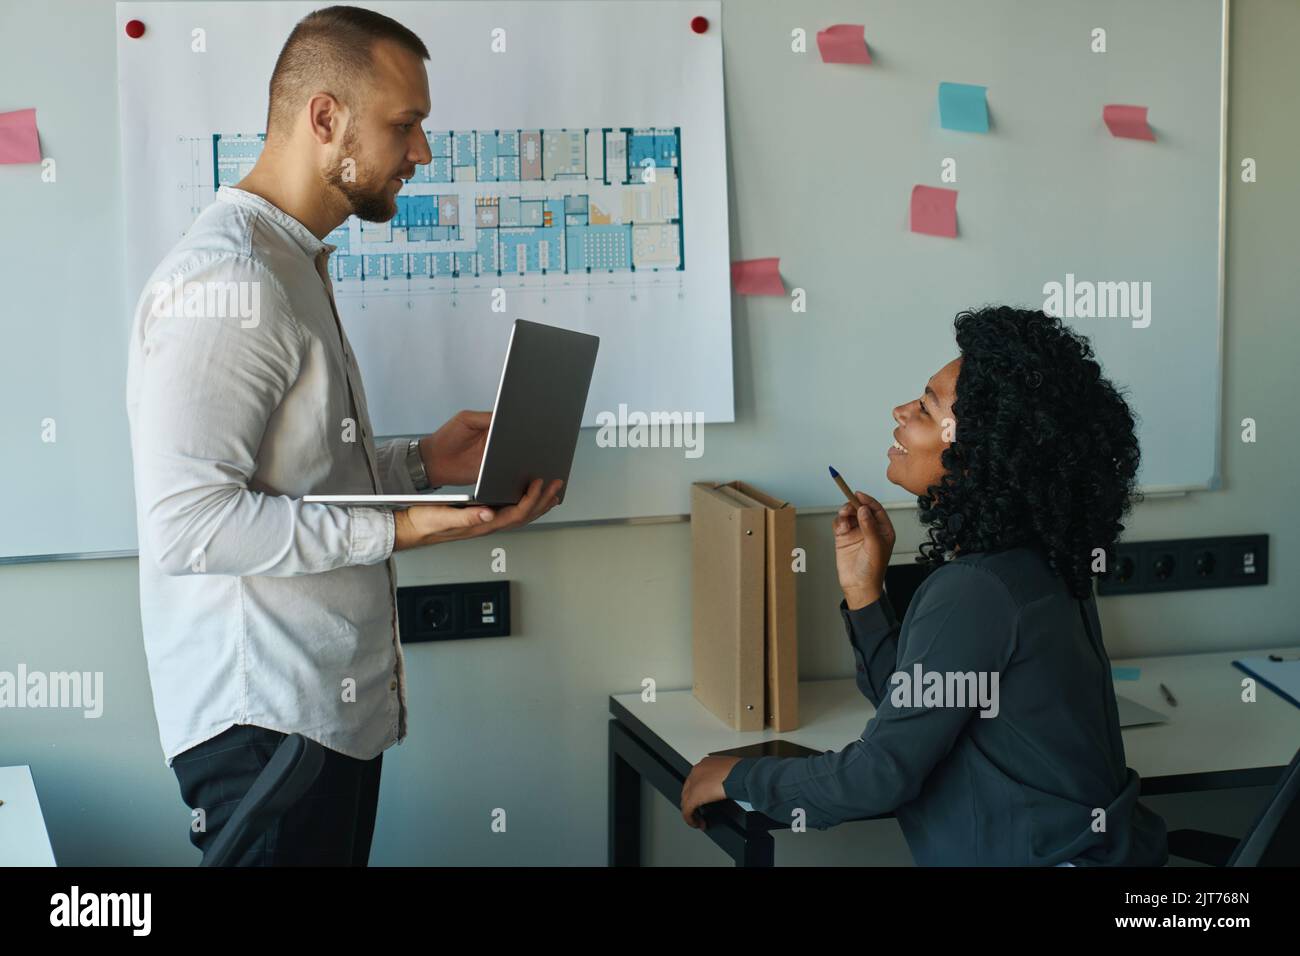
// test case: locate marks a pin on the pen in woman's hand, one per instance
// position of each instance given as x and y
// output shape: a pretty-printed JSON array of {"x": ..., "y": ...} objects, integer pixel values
[{"x": 864, "y": 541}]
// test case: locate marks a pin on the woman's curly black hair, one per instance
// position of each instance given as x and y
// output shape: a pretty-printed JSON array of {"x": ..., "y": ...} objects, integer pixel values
[{"x": 1045, "y": 453}]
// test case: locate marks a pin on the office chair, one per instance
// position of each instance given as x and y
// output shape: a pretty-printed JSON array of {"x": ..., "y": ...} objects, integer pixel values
[
  {"x": 1272, "y": 840},
  {"x": 292, "y": 769}
]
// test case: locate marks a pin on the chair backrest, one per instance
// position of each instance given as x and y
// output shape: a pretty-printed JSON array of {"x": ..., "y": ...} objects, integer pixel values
[
  {"x": 292, "y": 769},
  {"x": 902, "y": 580},
  {"x": 1274, "y": 838}
]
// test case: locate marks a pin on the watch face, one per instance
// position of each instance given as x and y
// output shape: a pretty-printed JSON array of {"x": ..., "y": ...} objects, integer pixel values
[{"x": 415, "y": 465}]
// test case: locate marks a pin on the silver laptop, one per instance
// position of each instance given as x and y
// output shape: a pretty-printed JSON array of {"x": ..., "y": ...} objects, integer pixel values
[
  {"x": 535, "y": 421},
  {"x": 1133, "y": 714}
]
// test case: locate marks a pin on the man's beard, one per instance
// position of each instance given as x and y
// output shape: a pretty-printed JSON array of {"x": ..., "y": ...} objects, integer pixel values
[{"x": 370, "y": 205}]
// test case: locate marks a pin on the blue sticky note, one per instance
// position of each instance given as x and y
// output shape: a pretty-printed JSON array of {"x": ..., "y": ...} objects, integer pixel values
[
  {"x": 963, "y": 107},
  {"x": 1125, "y": 673}
]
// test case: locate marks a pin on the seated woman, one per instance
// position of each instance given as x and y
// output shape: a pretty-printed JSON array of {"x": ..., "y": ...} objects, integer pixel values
[{"x": 1023, "y": 457}]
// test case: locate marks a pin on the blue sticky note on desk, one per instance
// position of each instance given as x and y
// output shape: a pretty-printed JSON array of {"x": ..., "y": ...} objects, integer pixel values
[
  {"x": 963, "y": 106},
  {"x": 1125, "y": 673}
]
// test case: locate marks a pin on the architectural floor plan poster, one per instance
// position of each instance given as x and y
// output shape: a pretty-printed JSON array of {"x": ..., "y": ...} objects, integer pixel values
[{"x": 578, "y": 168}]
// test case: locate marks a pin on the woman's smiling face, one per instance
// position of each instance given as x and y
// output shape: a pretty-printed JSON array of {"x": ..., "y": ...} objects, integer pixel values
[{"x": 926, "y": 426}]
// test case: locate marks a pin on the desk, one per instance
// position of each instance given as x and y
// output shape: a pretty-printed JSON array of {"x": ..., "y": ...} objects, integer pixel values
[
  {"x": 23, "y": 840},
  {"x": 1213, "y": 741}
]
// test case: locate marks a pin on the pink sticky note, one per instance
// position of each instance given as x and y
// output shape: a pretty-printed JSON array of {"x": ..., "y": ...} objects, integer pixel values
[
  {"x": 18, "y": 140},
  {"x": 844, "y": 43},
  {"x": 757, "y": 277},
  {"x": 1130, "y": 122},
  {"x": 934, "y": 211}
]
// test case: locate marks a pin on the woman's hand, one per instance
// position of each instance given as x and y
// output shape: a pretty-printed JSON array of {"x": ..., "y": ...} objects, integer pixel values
[
  {"x": 704, "y": 785},
  {"x": 864, "y": 540}
]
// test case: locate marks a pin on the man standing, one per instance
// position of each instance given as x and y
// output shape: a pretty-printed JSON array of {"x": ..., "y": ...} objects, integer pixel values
[{"x": 264, "y": 615}]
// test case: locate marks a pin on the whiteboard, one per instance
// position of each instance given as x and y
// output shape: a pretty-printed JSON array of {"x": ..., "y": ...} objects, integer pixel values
[{"x": 821, "y": 160}]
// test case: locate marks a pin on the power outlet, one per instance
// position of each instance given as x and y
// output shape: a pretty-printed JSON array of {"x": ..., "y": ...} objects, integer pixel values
[
  {"x": 446, "y": 612},
  {"x": 1186, "y": 564}
]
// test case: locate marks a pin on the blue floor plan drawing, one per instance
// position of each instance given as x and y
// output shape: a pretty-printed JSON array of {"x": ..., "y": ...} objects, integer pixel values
[{"x": 493, "y": 204}]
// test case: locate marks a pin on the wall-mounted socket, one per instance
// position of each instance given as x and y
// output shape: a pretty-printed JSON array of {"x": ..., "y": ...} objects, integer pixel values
[
  {"x": 445, "y": 612},
  {"x": 1185, "y": 564}
]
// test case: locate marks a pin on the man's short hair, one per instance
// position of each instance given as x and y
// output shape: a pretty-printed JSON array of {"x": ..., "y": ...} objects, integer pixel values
[{"x": 330, "y": 50}]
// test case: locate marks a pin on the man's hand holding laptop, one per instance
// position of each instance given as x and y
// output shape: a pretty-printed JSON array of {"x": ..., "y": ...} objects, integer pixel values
[
  {"x": 452, "y": 456},
  {"x": 454, "y": 453},
  {"x": 419, "y": 525}
]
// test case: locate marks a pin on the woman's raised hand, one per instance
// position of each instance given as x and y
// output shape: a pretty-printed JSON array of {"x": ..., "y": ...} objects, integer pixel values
[{"x": 864, "y": 540}]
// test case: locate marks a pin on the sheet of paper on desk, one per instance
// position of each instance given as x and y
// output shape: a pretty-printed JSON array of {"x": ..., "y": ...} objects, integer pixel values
[{"x": 1282, "y": 677}]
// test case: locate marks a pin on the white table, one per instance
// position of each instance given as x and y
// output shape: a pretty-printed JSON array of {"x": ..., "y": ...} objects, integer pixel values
[
  {"x": 23, "y": 839},
  {"x": 1212, "y": 741}
]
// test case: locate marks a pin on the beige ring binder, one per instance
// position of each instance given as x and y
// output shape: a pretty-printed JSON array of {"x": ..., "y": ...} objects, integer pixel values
[{"x": 744, "y": 639}]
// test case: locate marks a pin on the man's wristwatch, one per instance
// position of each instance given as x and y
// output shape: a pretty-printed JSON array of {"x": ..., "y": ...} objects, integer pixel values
[{"x": 415, "y": 466}]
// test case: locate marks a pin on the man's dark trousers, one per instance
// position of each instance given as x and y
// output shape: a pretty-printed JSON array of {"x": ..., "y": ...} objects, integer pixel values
[{"x": 331, "y": 825}]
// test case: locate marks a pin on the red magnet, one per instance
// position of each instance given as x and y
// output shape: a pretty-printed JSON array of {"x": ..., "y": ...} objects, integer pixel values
[
  {"x": 699, "y": 24},
  {"x": 134, "y": 29}
]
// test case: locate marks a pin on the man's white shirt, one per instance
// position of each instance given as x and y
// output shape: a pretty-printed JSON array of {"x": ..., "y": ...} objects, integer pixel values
[{"x": 256, "y": 607}]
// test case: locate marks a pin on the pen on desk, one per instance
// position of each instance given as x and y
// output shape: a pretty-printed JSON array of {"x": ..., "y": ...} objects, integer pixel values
[
  {"x": 1168, "y": 696},
  {"x": 845, "y": 488}
]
